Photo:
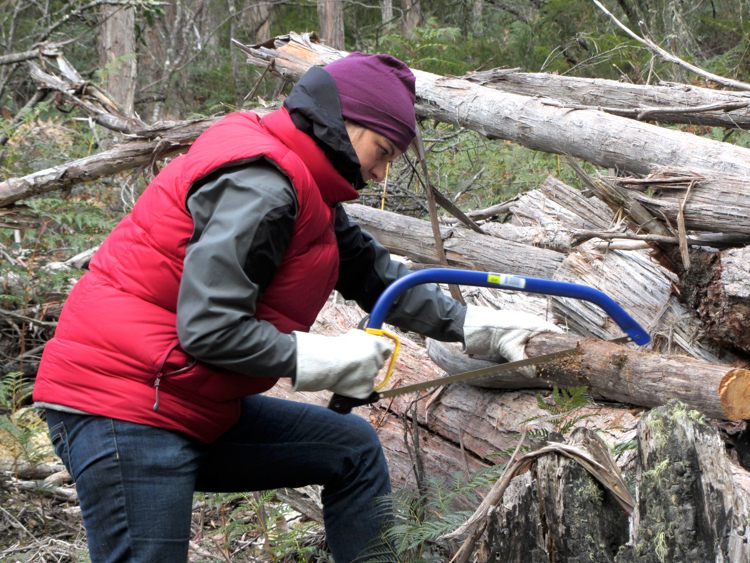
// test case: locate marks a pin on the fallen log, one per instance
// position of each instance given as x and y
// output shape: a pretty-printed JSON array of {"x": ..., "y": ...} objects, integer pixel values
[
  {"x": 548, "y": 216},
  {"x": 462, "y": 428},
  {"x": 718, "y": 203},
  {"x": 625, "y": 375},
  {"x": 413, "y": 238},
  {"x": 146, "y": 149},
  {"x": 633, "y": 278},
  {"x": 669, "y": 103},
  {"x": 644, "y": 288},
  {"x": 606, "y": 140}
]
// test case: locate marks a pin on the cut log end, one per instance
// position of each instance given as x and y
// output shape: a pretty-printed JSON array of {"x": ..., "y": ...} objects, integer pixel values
[{"x": 734, "y": 391}]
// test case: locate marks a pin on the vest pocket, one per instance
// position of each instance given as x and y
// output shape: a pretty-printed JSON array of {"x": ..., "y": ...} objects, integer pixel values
[
  {"x": 182, "y": 376},
  {"x": 175, "y": 374}
]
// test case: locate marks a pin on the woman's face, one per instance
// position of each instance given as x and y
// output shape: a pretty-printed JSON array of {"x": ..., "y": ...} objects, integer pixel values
[{"x": 374, "y": 152}]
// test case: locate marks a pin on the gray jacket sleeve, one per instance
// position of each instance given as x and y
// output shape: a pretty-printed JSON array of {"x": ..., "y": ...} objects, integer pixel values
[
  {"x": 365, "y": 271},
  {"x": 244, "y": 218}
]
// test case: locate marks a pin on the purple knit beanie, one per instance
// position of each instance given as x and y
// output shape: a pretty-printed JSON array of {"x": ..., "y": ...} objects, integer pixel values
[{"x": 377, "y": 91}]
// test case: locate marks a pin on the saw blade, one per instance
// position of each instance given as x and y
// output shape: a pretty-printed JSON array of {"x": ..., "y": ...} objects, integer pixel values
[{"x": 488, "y": 371}]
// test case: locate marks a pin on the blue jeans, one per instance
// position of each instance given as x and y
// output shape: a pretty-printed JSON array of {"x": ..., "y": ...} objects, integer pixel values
[{"x": 136, "y": 482}]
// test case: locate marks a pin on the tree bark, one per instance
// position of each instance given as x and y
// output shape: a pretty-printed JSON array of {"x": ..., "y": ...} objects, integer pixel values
[
  {"x": 643, "y": 287},
  {"x": 717, "y": 202},
  {"x": 331, "y": 18},
  {"x": 626, "y": 375},
  {"x": 386, "y": 12},
  {"x": 556, "y": 512},
  {"x": 411, "y": 16},
  {"x": 257, "y": 16},
  {"x": 606, "y": 140},
  {"x": 234, "y": 56},
  {"x": 718, "y": 287},
  {"x": 674, "y": 103},
  {"x": 689, "y": 507},
  {"x": 463, "y": 248},
  {"x": 477, "y": 21},
  {"x": 117, "y": 54}
]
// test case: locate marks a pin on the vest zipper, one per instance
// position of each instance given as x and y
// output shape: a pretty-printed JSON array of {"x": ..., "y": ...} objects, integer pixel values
[
  {"x": 160, "y": 373},
  {"x": 156, "y": 388}
]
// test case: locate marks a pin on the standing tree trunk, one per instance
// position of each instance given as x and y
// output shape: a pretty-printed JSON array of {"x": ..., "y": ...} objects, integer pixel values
[
  {"x": 411, "y": 16},
  {"x": 331, "y": 16},
  {"x": 476, "y": 18},
  {"x": 258, "y": 18},
  {"x": 117, "y": 54},
  {"x": 386, "y": 11},
  {"x": 238, "y": 97}
]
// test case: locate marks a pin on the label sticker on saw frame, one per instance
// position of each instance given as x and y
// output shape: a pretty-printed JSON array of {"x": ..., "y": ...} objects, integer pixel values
[{"x": 506, "y": 280}]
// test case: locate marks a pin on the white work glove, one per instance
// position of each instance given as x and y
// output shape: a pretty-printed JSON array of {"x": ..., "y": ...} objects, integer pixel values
[
  {"x": 488, "y": 332},
  {"x": 345, "y": 364}
]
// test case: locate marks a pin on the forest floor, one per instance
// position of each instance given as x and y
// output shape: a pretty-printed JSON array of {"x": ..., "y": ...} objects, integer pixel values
[
  {"x": 47, "y": 526},
  {"x": 34, "y": 529}
]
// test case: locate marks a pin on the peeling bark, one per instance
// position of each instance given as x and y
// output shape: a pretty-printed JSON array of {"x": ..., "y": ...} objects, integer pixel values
[{"x": 718, "y": 287}]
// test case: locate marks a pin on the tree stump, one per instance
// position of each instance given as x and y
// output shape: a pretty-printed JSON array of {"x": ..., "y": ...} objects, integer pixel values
[
  {"x": 558, "y": 513},
  {"x": 690, "y": 507}
]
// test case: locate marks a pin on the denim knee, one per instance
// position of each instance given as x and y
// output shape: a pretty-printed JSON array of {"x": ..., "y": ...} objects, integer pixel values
[
  {"x": 362, "y": 434},
  {"x": 369, "y": 460}
]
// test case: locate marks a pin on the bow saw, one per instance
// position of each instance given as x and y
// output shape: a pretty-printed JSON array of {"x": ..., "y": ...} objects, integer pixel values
[{"x": 343, "y": 405}]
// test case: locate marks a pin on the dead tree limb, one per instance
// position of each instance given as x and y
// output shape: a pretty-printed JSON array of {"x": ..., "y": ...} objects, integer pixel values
[
  {"x": 48, "y": 50},
  {"x": 719, "y": 240},
  {"x": 91, "y": 99},
  {"x": 668, "y": 104},
  {"x": 148, "y": 146}
]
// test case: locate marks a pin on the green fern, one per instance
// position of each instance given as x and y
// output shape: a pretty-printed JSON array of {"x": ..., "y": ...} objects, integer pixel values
[{"x": 420, "y": 519}]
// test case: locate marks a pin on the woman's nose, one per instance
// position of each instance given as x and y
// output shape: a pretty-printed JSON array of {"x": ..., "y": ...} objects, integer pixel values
[{"x": 378, "y": 172}]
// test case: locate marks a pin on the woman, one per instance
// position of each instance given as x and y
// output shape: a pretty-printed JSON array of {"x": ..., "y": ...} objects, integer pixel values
[{"x": 201, "y": 299}]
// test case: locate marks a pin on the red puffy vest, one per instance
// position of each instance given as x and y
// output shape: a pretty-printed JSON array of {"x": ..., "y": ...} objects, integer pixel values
[{"x": 117, "y": 339}]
